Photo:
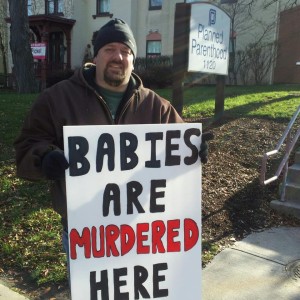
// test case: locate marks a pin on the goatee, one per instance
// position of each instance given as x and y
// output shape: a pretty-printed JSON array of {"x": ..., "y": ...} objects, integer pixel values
[{"x": 114, "y": 78}]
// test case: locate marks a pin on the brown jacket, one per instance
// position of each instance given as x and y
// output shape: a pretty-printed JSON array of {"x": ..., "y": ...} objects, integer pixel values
[{"x": 76, "y": 102}]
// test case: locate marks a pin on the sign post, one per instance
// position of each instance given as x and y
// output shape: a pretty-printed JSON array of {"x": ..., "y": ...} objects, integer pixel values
[
  {"x": 39, "y": 52},
  {"x": 208, "y": 44},
  {"x": 134, "y": 211},
  {"x": 209, "y": 39},
  {"x": 180, "y": 52}
]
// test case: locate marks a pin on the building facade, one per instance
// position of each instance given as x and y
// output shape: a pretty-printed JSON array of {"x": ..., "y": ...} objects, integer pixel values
[
  {"x": 287, "y": 69},
  {"x": 68, "y": 26}
]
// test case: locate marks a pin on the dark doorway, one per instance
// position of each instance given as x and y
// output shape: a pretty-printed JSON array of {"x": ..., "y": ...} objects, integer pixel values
[{"x": 56, "y": 50}]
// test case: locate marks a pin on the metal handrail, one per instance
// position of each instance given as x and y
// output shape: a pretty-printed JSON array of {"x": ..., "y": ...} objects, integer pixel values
[{"x": 289, "y": 147}]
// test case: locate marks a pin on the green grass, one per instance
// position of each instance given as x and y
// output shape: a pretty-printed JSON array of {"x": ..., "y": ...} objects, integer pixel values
[
  {"x": 30, "y": 230},
  {"x": 278, "y": 101},
  {"x": 13, "y": 108}
]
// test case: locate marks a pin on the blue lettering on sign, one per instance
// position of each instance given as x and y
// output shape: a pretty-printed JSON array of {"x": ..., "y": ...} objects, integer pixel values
[{"x": 212, "y": 17}]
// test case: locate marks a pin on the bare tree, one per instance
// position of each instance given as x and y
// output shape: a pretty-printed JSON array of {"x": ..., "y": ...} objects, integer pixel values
[
  {"x": 242, "y": 67},
  {"x": 248, "y": 16},
  {"x": 267, "y": 3},
  {"x": 238, "y": 13},
  {"x": 20, "y": 47},
  {"x": 3, "y": 39},
  {"x": 260, "y": 60}
]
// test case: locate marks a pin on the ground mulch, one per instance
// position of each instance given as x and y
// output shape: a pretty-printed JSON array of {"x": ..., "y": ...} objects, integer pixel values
[{"x": 234, "y": 203}]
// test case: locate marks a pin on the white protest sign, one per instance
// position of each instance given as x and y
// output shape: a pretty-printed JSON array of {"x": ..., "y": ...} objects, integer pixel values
[
  {"x": 134, "y": 211},
  {"x": 209, "y": 39},
  {"x": 38, "y": 50}
]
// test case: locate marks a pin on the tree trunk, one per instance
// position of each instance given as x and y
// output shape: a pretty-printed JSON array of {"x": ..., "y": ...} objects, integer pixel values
[
  {"x": 20, "y": 47},
  {"x": 3, "y": 53}
]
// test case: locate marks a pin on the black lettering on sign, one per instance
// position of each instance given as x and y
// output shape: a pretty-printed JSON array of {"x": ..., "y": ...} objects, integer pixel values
[
  {"x": 153, "y": 137},
  {"x": 189, "y": 160},
  {"x": 154, "y": 195},
  {"x": 101, "y": 285},
  {"x": 111, "y": 194},
  {"x": 134, "y": 189},
  {"x": 106, "y": 146},
  {"x": 140, "y": 276},
  {"x": 172, "y": 160},
  {"x": 119, "y": 283},
  {"x": 157, "y": 292},
  {"x": 128, "y": 146},
  {"x": 78, "y": 148}
]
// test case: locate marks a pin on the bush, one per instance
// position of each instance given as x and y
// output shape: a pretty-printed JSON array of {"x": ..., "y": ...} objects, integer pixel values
[
  {"x": 57, "y": 76},
  {"x": 156, "y": 72}
]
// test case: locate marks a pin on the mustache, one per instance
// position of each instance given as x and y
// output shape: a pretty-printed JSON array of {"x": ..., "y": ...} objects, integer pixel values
[{"x": 115, "y": 62}]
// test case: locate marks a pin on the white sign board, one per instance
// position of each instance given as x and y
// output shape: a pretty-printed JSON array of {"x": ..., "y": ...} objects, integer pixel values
[
  {"x": 134, "y": 211},
  {"x": 38, "y": 50},
  {"x": 209, "y": 39}
]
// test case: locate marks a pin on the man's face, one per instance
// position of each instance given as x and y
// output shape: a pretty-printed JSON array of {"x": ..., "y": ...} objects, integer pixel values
[{"x": 114, "y": 64}]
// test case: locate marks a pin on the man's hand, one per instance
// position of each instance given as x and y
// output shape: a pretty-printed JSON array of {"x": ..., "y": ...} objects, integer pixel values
[
  {"x": 203, "y": 153},
  {"x": 54, "y": 164}
]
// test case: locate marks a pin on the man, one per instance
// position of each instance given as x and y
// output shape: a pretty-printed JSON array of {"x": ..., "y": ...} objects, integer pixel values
[
  {"x": 87, "y": 57},
  {"x": 105, "y": 94}
]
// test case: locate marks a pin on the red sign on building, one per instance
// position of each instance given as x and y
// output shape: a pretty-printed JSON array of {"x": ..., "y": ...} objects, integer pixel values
[{"x": 38, "y": 50}]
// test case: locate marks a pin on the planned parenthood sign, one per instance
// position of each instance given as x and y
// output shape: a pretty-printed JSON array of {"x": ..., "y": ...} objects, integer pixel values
[{"x": 209, "y": 39}]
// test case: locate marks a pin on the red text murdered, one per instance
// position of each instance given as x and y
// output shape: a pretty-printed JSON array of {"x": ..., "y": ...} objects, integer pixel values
[{"x": 143, "y": 238}]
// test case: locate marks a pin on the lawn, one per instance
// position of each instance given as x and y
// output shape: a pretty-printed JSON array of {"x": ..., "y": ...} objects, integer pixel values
[
  {"x": 278, "y": 101},
  {"x": 30, "y": 231}
]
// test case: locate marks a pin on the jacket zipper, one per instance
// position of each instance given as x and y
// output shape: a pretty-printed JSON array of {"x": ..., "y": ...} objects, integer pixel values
[
  {"x": 117, "y": 118},
  {"x": 134, "y": 95},
  {"x": 105, "y": 107}
]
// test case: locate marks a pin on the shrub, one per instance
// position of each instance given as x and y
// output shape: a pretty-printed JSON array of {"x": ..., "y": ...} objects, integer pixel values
[
  {"x": 155, "y": 72},
  {"x": 57, "y": 76}
]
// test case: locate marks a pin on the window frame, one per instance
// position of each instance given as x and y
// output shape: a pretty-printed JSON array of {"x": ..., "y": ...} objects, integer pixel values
[
  {"x": 153, "y": 54},
  {"x": 29, "y": 8},
  {"x": 154, "y": 7},
  {"x": 98, "y": 8},
  {"x": 56, "y": 7},
  {"x": 101, "y": 14}
]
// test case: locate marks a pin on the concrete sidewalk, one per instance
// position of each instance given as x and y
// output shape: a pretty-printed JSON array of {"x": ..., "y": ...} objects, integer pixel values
[
  {"x": 8, "y": 294},
  {"x": 263, "y": 266}
]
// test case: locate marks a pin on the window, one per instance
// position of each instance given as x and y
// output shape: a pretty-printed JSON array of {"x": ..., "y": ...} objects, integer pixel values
[
  {"x": 153, "y": 48},
  {"x": 54, "y": 7},
  {"x": 228, "y": 1},
  {"x": 155, "y": 4},
  {"x": 103, "y": 7},
  {"x": 29, "y": 7},
  {"x": 191, "y": 1}
]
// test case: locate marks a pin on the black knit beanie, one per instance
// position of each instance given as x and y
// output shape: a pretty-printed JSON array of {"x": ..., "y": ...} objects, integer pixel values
[{"x": 115, "y": 31}]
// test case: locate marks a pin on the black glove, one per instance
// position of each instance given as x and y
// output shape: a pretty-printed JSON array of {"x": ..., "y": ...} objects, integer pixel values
[
  {"x": 54, "y": 164},
  {"x": 203, "y": 152}
]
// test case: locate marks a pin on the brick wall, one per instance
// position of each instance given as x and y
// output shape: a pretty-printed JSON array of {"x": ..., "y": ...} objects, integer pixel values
[{"x": 286, "y": 70}]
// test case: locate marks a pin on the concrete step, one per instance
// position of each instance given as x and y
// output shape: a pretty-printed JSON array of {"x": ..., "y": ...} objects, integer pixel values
[
  {"x": 292, "y": 192},
  {"x": 286, "y": 208},
  {"x": 293, "y": 175},
  {"x": 291, "y": 203}
]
